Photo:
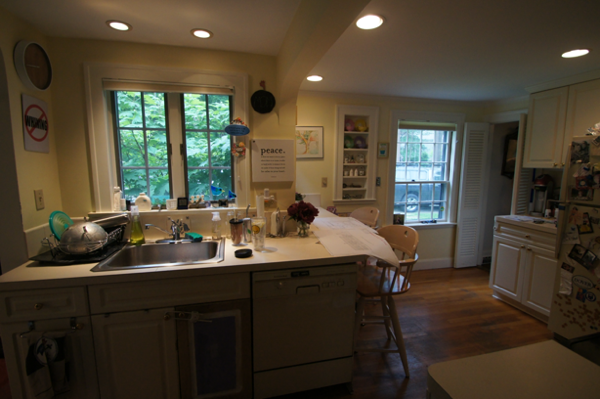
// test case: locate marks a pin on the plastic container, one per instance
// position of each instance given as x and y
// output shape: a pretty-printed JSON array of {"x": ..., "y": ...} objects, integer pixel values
[
  {"x": 216, "y": 226},
  {"x": 137, "y": 233},
  {"x": 143, "y": 202}
]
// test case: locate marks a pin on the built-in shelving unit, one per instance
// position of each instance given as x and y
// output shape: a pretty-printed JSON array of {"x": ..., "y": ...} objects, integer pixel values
[{"x": 356, "y": 153}]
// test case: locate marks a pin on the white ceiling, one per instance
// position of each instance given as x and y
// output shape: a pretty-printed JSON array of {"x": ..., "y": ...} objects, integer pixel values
[{"x": 470, "y": 50}]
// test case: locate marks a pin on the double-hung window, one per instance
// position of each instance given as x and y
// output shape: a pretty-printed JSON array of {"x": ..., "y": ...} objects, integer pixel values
[
  {"x": 146, "y": 139},
  {"x": 424, "y": 167},
  {"x": 422, "y": 174}
]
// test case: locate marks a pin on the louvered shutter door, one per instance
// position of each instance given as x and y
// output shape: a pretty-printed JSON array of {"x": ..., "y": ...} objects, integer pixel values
[
  {"x": 523, "y": 177},
  {"x": 470, "y": 201}
]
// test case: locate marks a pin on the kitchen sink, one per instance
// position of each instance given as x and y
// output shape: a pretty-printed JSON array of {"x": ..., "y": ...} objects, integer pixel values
[{"x": 161, "y": 254}]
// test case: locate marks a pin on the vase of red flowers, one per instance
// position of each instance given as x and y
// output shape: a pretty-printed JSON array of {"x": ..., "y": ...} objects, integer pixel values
[{"x": 304, "y": 214}]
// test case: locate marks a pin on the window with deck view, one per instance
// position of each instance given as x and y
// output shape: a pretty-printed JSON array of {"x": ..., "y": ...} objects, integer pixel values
[
  {"x": 422, "y": 179},
  {"x": 147, "y": 133}
]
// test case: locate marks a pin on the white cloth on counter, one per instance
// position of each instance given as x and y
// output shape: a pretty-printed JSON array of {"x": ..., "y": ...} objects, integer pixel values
[{"x": 348, "y": 236}]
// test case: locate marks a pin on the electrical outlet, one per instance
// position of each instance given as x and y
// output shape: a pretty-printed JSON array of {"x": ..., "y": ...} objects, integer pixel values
[
  {"x": 323, "y": 182},
  {"x": 39, "y": 199},
  {"x": 378, "y": 181}
]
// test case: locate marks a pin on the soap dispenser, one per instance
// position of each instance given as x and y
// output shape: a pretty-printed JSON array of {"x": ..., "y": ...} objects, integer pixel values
[
  {"x": 137, "y": 234},
  {"x": 216, "y": 226}
]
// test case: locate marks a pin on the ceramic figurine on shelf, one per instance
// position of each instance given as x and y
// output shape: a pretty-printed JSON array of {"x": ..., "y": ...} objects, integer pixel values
[
  {"x": 349, "y": 125},
  {"x": 361, "y": 125},
  {"x": 360, "y": 158}
]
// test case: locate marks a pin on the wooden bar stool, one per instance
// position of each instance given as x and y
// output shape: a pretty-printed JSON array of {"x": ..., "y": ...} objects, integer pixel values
[
  {"x": 382, "y": 282},
  {"x": 367, "y": 214}
]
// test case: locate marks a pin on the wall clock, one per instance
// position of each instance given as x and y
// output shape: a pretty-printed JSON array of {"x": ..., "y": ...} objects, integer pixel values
[{"x": 33, "y": 65}]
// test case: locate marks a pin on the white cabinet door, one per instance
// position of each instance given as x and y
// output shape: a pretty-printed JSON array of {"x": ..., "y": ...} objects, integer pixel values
[
  {"x": 508, "y": 263},
  {"x": 137, "y": 354},
  {"x": 583, "y": 110},
  {"x": 546, "y": 129},
  {"x": 538, "y": 281},
  {"x": 76, "y": 345}
]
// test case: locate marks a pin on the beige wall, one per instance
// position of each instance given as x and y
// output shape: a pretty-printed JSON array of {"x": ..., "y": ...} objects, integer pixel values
[
  {"x": 319, "y": 109},
  {"x": 64, "y": 173},
  {"x": 35, "y": 170},
  {"x": 70, "y": 105}
]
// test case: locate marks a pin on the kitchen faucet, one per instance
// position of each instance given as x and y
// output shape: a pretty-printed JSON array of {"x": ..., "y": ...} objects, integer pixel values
[{"x": 178, "y": 229}]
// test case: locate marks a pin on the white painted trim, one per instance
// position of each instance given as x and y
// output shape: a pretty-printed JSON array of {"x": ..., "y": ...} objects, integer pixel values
[
  {"x": 101, "y": 149},
  {"x": 505, "y": 117},
  {"x": 570, "y": 80},
  {"x": 456, "y": 118},
  {"x": 429, "y": 264}
]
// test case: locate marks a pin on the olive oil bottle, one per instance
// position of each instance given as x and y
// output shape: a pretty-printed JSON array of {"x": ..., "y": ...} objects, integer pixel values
[{"x": 137, "y": 234}]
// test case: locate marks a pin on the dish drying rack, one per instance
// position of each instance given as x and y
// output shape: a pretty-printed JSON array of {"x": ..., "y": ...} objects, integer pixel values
[{"x": 114, "y": 235}]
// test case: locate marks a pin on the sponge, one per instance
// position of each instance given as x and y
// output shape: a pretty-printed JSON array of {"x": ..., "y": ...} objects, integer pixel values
[{"x": 195, "y": 237}]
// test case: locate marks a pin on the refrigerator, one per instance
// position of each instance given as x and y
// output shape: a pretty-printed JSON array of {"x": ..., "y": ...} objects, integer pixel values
[{"x": 575, "y": 307}]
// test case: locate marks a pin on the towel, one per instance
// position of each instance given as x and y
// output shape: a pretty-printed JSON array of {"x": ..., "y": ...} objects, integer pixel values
[{"x": 46, "y": 366}]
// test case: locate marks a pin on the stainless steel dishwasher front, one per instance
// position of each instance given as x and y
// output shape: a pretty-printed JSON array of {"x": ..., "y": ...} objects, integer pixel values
[{"x": 303, "y": 323}]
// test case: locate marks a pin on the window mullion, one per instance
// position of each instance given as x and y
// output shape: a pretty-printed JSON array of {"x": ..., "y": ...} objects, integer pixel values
[
  {"x": 210, "y": 179},
  {"x": 145, "y": 135}
]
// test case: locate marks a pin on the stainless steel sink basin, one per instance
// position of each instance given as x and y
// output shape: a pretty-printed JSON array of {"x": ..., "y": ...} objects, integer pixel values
[{"x": 159, "y": 255}]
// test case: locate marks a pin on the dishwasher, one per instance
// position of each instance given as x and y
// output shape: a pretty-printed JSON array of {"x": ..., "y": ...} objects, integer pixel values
[{"x": 303, "y": 326}]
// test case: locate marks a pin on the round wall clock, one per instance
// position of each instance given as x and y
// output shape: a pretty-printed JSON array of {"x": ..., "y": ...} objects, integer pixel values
[{"x": 33, "y": 65}]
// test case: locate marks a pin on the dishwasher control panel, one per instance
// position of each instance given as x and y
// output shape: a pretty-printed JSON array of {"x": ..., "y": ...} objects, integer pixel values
[{"x": 309, "y": 281}]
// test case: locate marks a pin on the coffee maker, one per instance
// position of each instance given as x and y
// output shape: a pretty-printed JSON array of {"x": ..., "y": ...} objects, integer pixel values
[{"x": 543, "y": 187}]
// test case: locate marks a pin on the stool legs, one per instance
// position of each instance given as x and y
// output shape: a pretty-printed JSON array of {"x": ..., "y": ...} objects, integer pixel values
[{"x": 398, "y": 334}]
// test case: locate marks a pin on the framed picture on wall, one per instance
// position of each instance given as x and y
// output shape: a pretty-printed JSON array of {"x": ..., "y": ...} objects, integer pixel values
[
  {"x": 309, "y": 142},
  {"x": 382, "y": 150}
]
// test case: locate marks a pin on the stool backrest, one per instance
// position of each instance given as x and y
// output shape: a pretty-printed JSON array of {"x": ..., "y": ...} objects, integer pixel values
[{"x": 367, "y": 214}]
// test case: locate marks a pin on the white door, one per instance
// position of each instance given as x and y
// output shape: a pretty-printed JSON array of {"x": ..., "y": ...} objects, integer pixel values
[
  {"x": 470, "y": 200},
  {"x": 523, "y": 177},
  {"x": 508, "y": 263},
  {"x": 538, "y": 282},
  {"x": 137, "y": 354}
]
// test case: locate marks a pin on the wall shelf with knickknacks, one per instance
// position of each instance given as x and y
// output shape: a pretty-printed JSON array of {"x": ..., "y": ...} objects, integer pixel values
[{"x": 356, "y": 154}]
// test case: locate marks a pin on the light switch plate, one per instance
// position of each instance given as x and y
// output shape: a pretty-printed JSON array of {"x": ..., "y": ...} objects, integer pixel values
[
  {"x": 323, "y": 182},
  {"x": 39, "y": 199},
  {"x": 378, "y": 181}
]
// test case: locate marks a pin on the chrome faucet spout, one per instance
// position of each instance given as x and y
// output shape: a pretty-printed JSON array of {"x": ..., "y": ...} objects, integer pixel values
[{"x": 156, "y": 227}]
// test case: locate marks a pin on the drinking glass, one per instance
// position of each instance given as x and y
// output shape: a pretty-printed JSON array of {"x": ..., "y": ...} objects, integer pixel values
[{"x": 259, "y": 232}]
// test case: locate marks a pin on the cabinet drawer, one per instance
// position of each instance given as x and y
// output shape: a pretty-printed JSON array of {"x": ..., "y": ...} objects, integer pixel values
[
  {"x": 526, "y": 236},
  {"x": 43, "y": 304},
  {"x": 170, "y": 292}
]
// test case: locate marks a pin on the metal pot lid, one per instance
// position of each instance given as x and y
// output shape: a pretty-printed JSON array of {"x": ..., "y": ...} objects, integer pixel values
[{"x": 82, "y": 238}]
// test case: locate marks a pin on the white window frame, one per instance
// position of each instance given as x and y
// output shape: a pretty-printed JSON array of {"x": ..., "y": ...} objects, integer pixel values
[
  {"x": 453, "y": 164},
  {"x": 100, "y": 125}
]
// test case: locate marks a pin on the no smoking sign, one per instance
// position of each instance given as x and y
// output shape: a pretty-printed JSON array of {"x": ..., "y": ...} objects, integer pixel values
[{"x": 35, "y": 124}]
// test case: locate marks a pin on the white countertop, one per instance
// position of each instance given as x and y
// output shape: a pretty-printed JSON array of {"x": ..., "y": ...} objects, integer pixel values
[
  {"x": 527, "y": 221},
  {"x": 543, "y": 370},
  {"x": 280, "y": 253}
]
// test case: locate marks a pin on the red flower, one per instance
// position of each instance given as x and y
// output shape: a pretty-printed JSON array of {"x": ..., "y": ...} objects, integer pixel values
[{"x": 302, "y": 211}]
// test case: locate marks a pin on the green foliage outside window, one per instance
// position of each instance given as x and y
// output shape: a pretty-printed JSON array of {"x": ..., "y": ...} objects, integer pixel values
[{"x": 143, "y": 143}]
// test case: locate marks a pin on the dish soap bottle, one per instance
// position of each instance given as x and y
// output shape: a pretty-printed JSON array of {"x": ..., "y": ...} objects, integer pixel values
[
  {"x": 216, "y": 226},
  {"x": 137, "y": 234}
]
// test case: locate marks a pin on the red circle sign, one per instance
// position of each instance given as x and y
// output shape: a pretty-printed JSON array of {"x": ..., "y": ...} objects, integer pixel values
[{"x": 31, "y": 129}]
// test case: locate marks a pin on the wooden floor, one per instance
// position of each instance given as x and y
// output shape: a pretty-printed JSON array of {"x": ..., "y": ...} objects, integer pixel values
[{"x": 447, "y": 314}]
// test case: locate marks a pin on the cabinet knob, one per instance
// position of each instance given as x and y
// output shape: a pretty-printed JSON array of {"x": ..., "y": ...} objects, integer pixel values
[
  {"x": 38, "y": 306},
  {"x": 522, "y": 246},
  {"x": 563, "y": 164},
  {"x": 527, "y": 236},
  {"x": 167, "y": 317},
  {"x": 529, "y": 249},
  {"x": 555, "y": 164}
]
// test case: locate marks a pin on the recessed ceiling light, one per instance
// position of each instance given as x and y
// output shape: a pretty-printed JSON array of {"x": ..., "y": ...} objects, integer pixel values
[
  {"x": 315, "y": 78},
  {"x": 575, "y": 53},
  {"x": 118, "y": 25},
  {"x": 202, "y": 33},
  {"x": 369, "y": 22}
]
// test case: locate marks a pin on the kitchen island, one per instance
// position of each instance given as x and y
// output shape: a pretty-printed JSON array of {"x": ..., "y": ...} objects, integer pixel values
[{"x": 134, "y": 333}]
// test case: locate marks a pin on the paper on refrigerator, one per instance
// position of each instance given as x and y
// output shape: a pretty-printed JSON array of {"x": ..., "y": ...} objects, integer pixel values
[{"x": 344, "y": 236}]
